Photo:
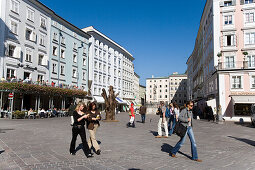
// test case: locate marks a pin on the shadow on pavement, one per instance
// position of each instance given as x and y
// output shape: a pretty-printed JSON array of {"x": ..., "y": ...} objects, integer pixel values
[
  {"x": 2, "y": 151},
  {"x": 133, "y": 169},
  {"x": 3, "y": 130},
  {"x": 154, "y": 132},
  {"x": 245, "y": 124},
  {"x": 168, "y": 148},
  {"x": 248, "y": 141}
]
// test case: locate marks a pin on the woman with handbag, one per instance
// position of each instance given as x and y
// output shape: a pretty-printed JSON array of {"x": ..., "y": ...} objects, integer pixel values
[
  {"x": 176, "y": 112},
  {"x": 78, "y": 129},
  {"x": 92, "y": 125},
  {"x": 186, "y": 119}
]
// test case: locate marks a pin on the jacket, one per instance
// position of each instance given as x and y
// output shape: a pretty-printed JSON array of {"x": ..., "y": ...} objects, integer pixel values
[
  {"x": 90, "y": 122},
  {"x": 184, "y": 115},
  {"x": 142, "y": 110}
]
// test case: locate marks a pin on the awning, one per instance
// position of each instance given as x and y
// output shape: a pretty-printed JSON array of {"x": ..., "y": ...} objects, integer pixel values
[
  {"x": 120, "y": 101},
  {"x": 243, "y": 99},
  {"x": 99, "y": 99}
]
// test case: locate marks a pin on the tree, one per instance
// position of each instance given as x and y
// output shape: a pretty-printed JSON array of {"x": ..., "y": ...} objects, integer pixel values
[{"x": 110, "y": 103}]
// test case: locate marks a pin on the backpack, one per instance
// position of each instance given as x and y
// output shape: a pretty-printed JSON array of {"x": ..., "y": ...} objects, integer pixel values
[{"x": 167, "y": 114}]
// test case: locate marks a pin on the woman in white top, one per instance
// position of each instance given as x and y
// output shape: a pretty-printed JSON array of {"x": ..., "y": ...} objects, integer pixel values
[{"x": 176, "y": 110}]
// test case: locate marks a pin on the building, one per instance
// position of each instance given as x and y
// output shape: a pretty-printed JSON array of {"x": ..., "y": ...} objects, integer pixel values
[
  {"x": 178, "y": 88},
  {"x": 142, "y": 94},
  {"x": 136, "y": 89},
  {"x": 109, "y": 64},
  {"x": 157, "y": 89},
  {"x": 25, "y": 31},
  {"x": 68, "y": 54},
  {"x": 223, "y": 58}
]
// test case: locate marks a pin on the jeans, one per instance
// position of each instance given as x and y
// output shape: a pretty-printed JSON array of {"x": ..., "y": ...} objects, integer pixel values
[
  {"x": 160, "y": 128},
  {"x": 143, "y": 118},
  {"x": 170, "y": 123},
  {"x": 192, "y": 141},
  {"x": 81, "y": 132},
  {"x": 173, "y": 125}
]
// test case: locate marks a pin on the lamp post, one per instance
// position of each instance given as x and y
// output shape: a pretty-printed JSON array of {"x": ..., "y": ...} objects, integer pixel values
[{"x": 79, "y": 63}]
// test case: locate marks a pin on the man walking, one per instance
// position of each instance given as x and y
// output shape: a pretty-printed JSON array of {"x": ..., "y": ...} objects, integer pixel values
[
  {"x": 143, "y": 113},
  {"x": 186, "y": 118},
  {"x": 162, "y": 120}
]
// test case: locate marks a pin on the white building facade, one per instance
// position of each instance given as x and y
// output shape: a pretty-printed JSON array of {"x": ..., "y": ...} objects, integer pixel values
[
  {"x": 25, "y": 34},
  {"x": 178, "y": 88},
  {"x": 136, "y": 89},
  {"x": 109, "y": 64}
]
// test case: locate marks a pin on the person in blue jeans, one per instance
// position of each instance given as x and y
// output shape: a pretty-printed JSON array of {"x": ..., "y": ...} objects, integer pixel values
[
  {"x": 175, "y": 112},
  {"x": 186, "y": 118}
]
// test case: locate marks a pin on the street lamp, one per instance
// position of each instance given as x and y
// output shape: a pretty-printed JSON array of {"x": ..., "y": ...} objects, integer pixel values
[{"x": 60, "y": 35}]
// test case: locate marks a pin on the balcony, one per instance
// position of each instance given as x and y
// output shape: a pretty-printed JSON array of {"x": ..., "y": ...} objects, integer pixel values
[{"x": 235, "y": 65}]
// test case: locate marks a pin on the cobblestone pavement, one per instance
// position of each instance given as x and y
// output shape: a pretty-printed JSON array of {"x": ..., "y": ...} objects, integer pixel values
[{"x": 44, "y": 144}]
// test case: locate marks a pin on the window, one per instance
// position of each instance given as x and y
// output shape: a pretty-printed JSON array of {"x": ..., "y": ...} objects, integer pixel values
[
  {"x": 166, "y": 96},
  {"x": 54, "y": 67},
  {"x": 40, "y": 77},
  {"x": 100, "y": 54},
  {"x": 150, "y": 96},
  {"x": 30, "y": 35},
  {"x": 180, "y": 95},
  {"x": 248, "y": 1},
  {"x": 229, "y": 40},
  {"x": 229, "y": 62},
  {"x": 95, "y": 65},
  {"x": 166, "y": 90},
  {"x": 11, "y": 50},
  {"x": 55, "y": 35},
  {"x": 74, "y": 73},
  {"x": 100, "y": 78},
  {"x": 100, "y": 66},
  {"x": 42, "y": 40},
  {"x": 252, "y": 82},
  {"x": 251, "y": 61},
  {"x": 43, "y": 22},
  {"x": 10, "y": 73},
  {"x": 160, "y": 96},
  {"x": 108, "y": 80},
  {"x": 119, "y": 73},
  {"x": 84, "y": 61},
  {"x": 54, "y": 51},
  {"x": 14, "y": 27},
  {"x": 115, "y": 73},
  {"x": 249, "y": 17},
  {"x": 227, "y": 3},
  {"x": 95, "y": 52},
  {"x": 166, "y": 85},
  {"x": 95, "y": 77},
  {"x": 104, "y": 79},
  {"x": 40, "y": 59},
  {"x": 228, "y": 20},
  {"x": 109, "y": 69},
  {"x": 74, "y": 46},
  {"x": 30, "y": 14},
  {"x": 62, "y": 70},
  {"x": 83, "y": 75},
  {"x": 15, "y": 6},
  {"x": 75, "y": 58},
  {"x": 62, "y": 53},
  {"x": 104, "y": 68},
  {"x": 249, "y": 38},
  {"x": 236, "y": 82},
  {"x": 28, "y": 55},
  {"x": 114, "y": 61},
  {"x": 62, "y": 40},
  {"x": 114, "y": 82}
]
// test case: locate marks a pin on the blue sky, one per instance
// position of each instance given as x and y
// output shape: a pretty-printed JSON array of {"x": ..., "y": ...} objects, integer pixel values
[{"x": 159, "y": 34}]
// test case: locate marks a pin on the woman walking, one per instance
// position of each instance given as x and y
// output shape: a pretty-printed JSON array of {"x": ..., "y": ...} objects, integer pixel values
[
  {"x": 78, "y": 128},
  {"x": 92, "y": 125},
  {"x": 176, "y": 112}
]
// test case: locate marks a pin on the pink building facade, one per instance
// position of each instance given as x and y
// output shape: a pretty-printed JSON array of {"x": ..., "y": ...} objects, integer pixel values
[{"x": 223, "y": 58}]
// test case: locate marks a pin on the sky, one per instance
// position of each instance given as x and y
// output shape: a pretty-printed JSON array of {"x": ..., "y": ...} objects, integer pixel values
[{"x": 159, "y": 34}]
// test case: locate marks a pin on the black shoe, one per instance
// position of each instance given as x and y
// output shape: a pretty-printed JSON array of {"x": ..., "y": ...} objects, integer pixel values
[
  {"x": 89, "y": 155},
  {"x": 98, "y": 152}
]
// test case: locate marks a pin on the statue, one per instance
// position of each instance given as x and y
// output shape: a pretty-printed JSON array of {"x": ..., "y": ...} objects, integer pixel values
[{"x": 110, "y": 103}]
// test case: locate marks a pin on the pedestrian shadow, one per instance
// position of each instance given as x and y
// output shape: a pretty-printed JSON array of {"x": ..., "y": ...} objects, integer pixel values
[
  {"x": 154, "y": 132},
  {"x": 168, "y": 148},
  {"x": 245, "y": 124},
  {"x": 248, "y": 141},
  {"x": 133, "y": 169},
  {"x": 138, "y": 121},
  {"x": 2, "y": 151},
  {"x": 3, "y": 130}
]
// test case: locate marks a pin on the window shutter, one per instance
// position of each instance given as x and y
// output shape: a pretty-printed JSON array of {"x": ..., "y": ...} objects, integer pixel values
[
  {"x": 241, "y": 2},
  {"x": 235, "y": 38},
  {"x": 224, "y": 41},
  {"x": 6, "y": 46},
  {"x": 33, "y": 36},
  {"x": 17, "y": 52},
  {"x": 45, "y": 60}
]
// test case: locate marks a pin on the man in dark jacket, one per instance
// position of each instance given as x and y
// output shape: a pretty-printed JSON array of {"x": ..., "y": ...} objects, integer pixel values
[
  {"x": 143, "y": 113},
  {"x": 186, "y": 118}
]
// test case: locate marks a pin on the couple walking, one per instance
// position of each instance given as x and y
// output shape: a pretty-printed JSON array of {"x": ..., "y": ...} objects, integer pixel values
[
  {"x": 168, "y": 117},
  {"x": 81, "y": 115}
]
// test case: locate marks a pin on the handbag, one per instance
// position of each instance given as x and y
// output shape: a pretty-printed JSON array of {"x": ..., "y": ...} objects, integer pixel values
[
  {"x": 72, "y": 121},
  {"x": 180, "y": 129}
]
